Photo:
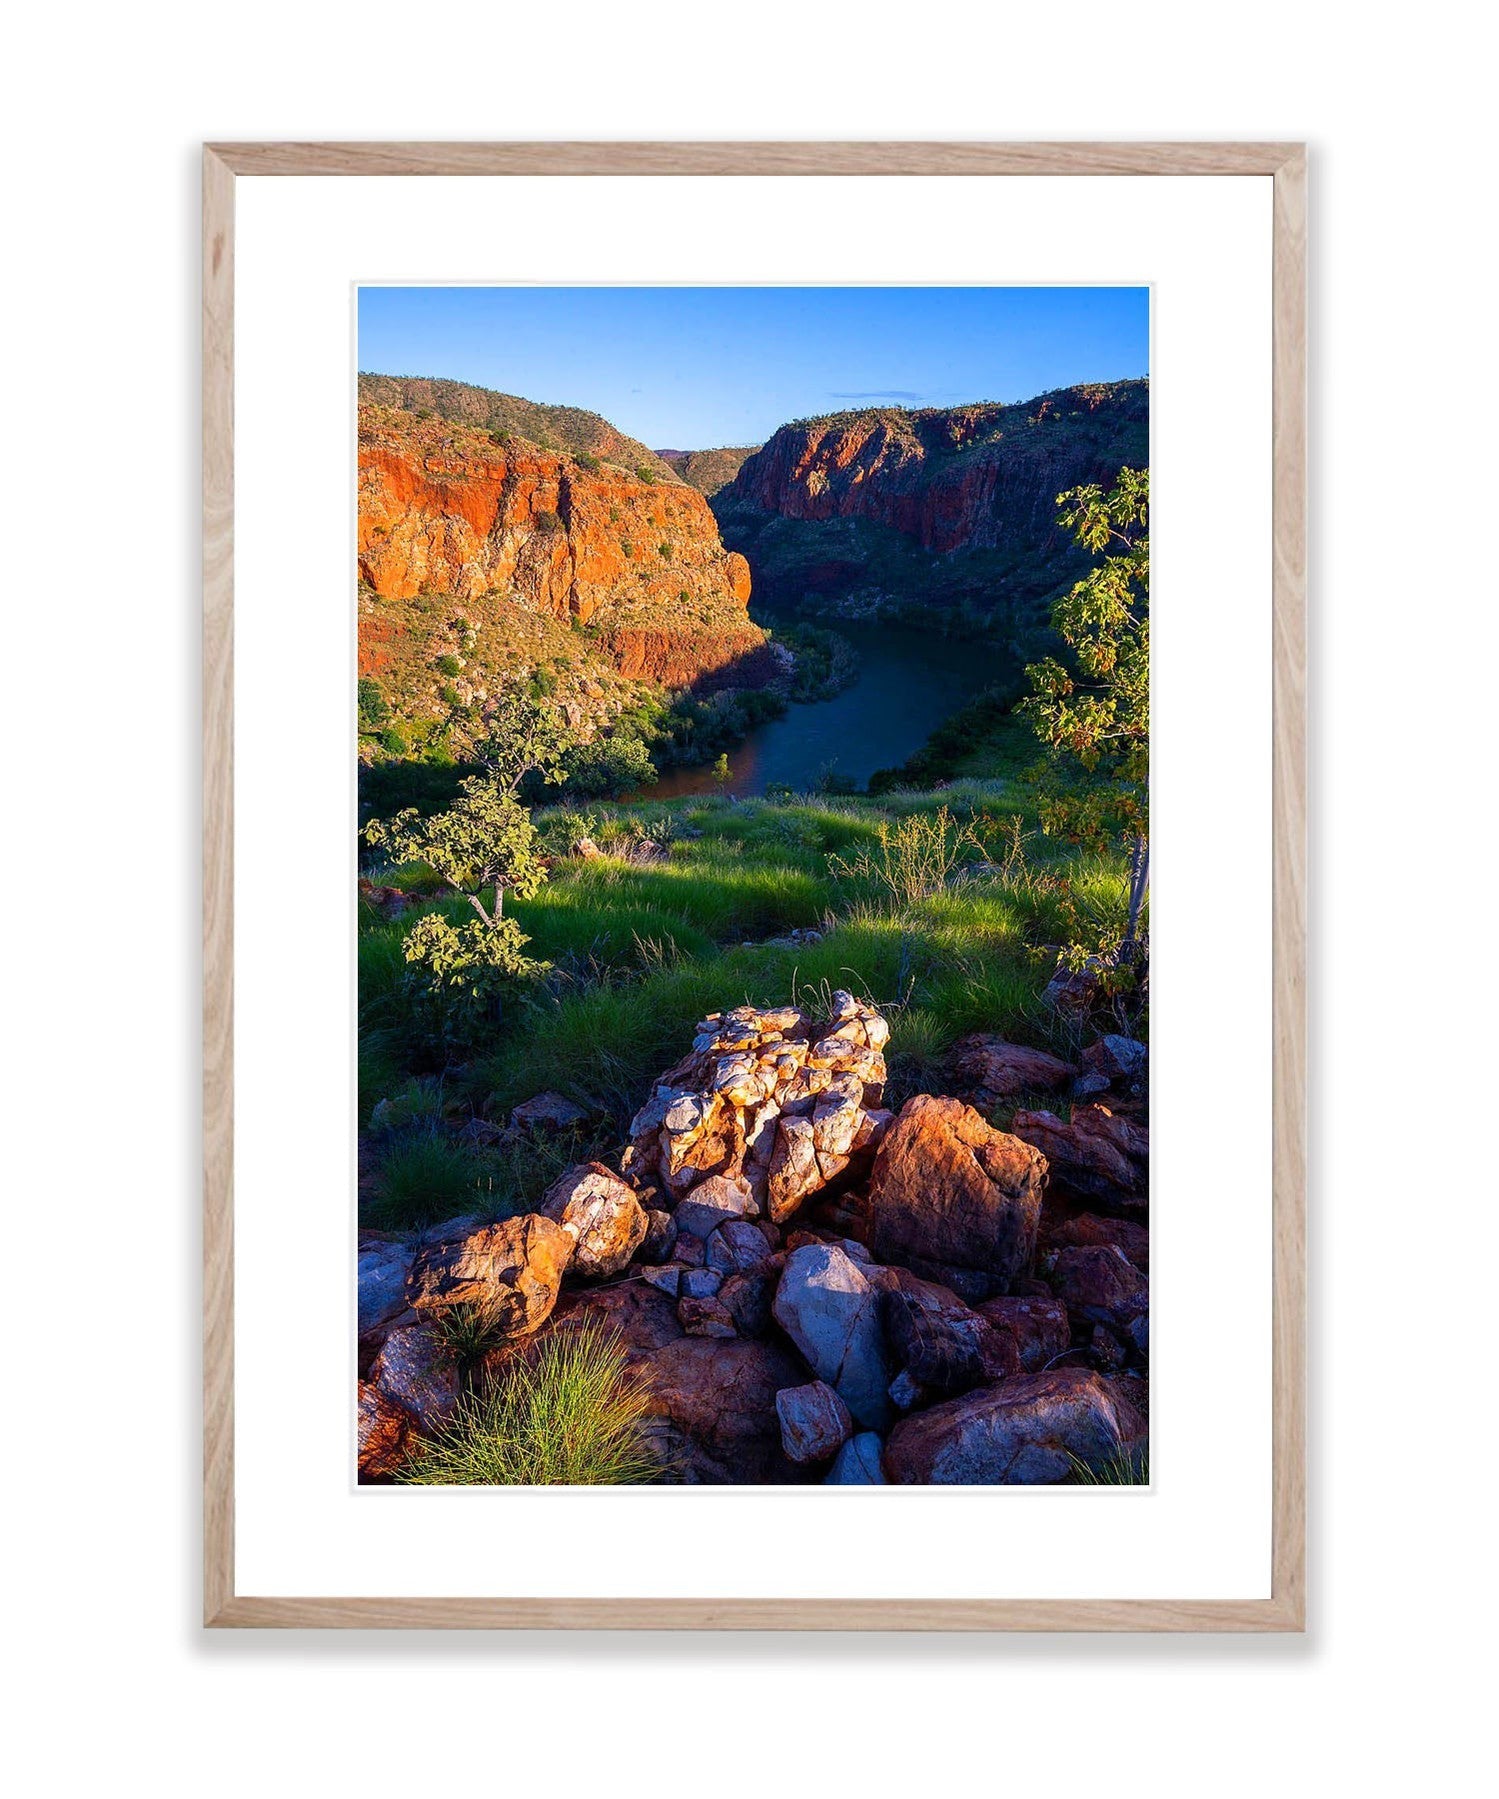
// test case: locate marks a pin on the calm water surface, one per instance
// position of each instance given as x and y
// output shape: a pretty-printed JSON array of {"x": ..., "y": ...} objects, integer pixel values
[{"x": 909, "y": 682}]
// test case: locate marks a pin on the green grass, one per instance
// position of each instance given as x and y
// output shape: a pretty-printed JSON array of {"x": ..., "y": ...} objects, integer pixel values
[
  {"x": 642, "y": 950},
  {"x": 567, "y": 1414},
  {"x": 423, "y": 1180},
  {"x": 424, "y": 1176}
]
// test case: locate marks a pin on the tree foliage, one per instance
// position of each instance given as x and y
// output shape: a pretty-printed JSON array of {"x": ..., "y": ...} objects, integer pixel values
[
  {"x": 468, "y": 970},
  {"x": 523, "y": 734},
  {"x": 1091, "y": 704},
  {"x": 484, "y": 840}
]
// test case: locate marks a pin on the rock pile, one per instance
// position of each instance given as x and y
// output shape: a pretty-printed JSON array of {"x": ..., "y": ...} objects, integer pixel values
[
  {"x": 771, "y": 1106},
  {"x": 808, "y": 1287}
]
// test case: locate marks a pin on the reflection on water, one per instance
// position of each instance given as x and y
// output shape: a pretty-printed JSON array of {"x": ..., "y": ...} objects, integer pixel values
[{"x": 909, "y": 681}]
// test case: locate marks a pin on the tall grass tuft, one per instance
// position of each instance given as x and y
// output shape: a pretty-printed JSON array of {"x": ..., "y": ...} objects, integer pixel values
[
  {"x": 1121, "y": 1468},
  {"x": 909, "y": 859},
  {"x": 424, "y": 1180},
  {"x": 569, "y": 1414}
]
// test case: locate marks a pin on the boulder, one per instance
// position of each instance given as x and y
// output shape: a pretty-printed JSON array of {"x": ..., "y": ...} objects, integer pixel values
[
  {"x": 995, "y": 1070},
  {"x": 1117, "y": 1058},
  {"x": 386, "y": 1430},
  {"x": 705, "y": 1317},
  {"x": 1098, "y": 1156},
  {"x": 857, "y": 1464},
  {"x": 1124, "y": 1233},
  {"x": 549, "y": 1112},
  {"x": 829, "y": 1309},
  {"x": 417, "y": 1370},
  {"x": 660, "y": 1237},
  {"x": 1039, "y": 1329},
  {"x": 943, "y": 1345},
  {"x": 665, "y": 1279},
  {"x": 1074, "y": 991},
  {"x": 794, "y": 1172},
  {"x": 714, "y": 1406},
  {"x": 949, "y": 1192},
  {"x": 636, "y": 1317},
  {"x": 737, "y": 1247},
  {"x": 815, "y": 1423},
  {"x": 712, "y": 1202},
  {"x": 699, "y": 1283},
  {"x": 907, "y": 1393},
  {"x": 1020, "y": 1432},
  {"x": 1098, "y": 1284},
  {"x": 383, "y": 1262},
  {"x": 510, "y": 1271},
  {"x": 605, "y": 1220},
  {"x": 778, "y": 1099},
  {"x": 747, "y": 1299}
]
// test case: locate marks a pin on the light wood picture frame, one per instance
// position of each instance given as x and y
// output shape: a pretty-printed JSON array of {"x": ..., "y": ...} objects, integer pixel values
[{"x": 1285, "y": 163}]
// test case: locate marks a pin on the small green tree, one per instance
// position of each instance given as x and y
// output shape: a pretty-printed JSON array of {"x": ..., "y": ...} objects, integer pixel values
[
  {"x": 484, "y": 843},
  {"x": 722, "y": 773},
  {"x": 524, "y": 733},
  {"x": 485, "y": 840},
  {"x": 1092, "y": 707}
]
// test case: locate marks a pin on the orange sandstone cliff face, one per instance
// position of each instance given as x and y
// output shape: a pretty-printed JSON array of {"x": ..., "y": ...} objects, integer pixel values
[{"x": 444, "y": 509}]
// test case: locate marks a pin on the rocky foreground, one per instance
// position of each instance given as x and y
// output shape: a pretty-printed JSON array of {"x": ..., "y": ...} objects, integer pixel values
[{"x": 810, "y": 1287}]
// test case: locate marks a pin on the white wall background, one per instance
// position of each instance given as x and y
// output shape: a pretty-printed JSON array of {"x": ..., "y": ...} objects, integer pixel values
[{"x": 106, "y": 108}]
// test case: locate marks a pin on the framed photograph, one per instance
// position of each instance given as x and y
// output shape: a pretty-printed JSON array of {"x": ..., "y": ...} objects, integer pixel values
[{"x": 754, "y": 886}]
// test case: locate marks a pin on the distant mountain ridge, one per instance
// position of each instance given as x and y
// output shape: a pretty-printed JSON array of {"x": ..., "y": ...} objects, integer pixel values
[{"x": 708, "y": 470}]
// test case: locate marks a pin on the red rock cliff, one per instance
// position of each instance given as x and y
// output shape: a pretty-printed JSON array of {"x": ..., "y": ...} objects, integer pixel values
[
  {"x": 444, "y": 509},
  {"x": 970, "y": 477}
]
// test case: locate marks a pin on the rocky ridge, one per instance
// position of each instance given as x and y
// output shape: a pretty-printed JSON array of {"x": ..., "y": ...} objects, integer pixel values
[{"x": 939, "y": 504}]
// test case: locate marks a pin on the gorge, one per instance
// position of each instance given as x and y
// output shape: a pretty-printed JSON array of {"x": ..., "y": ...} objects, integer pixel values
[{"x": 500, "y": 538}]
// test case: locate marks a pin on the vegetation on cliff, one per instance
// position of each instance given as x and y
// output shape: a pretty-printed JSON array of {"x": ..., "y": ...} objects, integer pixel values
[{"x": 571, "y": 428}]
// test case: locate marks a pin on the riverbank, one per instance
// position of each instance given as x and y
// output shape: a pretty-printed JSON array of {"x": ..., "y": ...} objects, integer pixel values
[{"x": 910, "y": 683}]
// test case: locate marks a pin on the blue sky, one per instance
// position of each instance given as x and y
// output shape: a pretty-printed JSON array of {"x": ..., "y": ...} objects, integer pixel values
[{"x": 692, "y": 368}]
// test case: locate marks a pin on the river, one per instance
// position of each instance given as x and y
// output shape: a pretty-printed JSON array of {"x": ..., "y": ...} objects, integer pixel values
[{"x": 910, "y": 680}]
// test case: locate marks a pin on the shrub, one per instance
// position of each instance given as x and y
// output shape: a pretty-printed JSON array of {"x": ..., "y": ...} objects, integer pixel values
[
  {"x": 449, "y": 665},
  {"x": 547, "y": 521},
  {"x": 467, "y": 971},
  {"x": 587, "y": 459},
  {"x": 568, "y": 1414},
  {"x": 663, "y": 550},
  {"x": 373, "y": 710},
  {"x": 647, "y": 474}
]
